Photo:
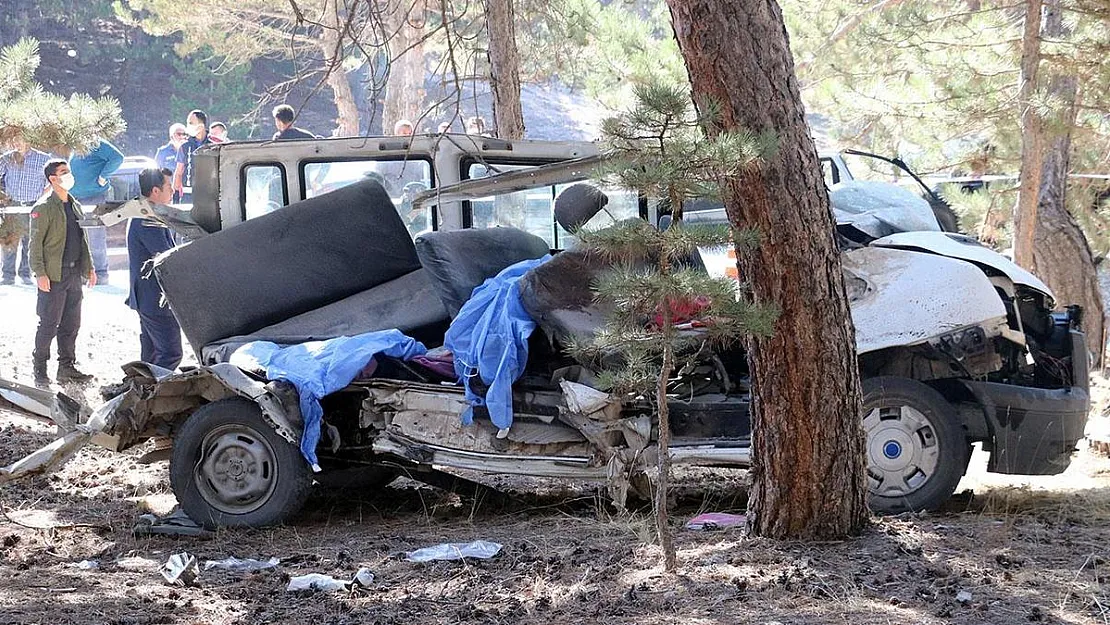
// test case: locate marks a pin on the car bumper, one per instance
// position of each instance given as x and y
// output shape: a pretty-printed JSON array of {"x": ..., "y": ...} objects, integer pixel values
[{"x": 1034, "y": 430}]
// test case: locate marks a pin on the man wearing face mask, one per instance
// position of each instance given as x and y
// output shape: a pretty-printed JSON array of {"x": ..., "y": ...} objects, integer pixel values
[
  {"x": 60, "y": 260},
  {"x": 197, "y": 129}
]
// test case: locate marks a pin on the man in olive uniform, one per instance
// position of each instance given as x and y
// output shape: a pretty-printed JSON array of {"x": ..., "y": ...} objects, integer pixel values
[{"x": 60, "y": 260}]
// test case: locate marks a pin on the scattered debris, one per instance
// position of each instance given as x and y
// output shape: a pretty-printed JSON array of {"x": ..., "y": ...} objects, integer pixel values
[
  {"x": 455, "y": 551},
  {"x": 135, "y": 563},
  {"x": 318, "y": 581},
  {"x": 87, "y": 565},
  {"x": 963, "y": 597},
  {"x": 181, "y": 568},
  {"x": 715, "y": 521},
  {"x": 363, "y": 578},
  {"x": 176, "y": 523},
  {"x": 241, "y": 566}
]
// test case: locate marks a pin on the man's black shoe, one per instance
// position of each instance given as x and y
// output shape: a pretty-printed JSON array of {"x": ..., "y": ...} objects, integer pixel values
[
  {"x": 69, "y": 373},
  {"x": 42, "y": 379}
]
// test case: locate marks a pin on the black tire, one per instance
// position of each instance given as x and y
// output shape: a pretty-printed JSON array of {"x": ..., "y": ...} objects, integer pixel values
[
  {"x": 229, "y": 468},
  {"x": 917, "y": 450}
]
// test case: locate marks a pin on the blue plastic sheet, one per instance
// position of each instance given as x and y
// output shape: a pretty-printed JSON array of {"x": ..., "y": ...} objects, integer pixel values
[
  {"x": 489, "y": 337},
  {"x": 319, "y": 368}
]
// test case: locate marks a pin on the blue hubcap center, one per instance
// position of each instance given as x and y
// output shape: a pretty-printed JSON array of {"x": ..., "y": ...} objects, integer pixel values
[{"x": 892, "y": 449}]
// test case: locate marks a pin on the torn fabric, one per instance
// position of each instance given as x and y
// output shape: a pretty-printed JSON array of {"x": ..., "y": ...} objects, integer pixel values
[
  {"x": 489, "y": 337},
  {"x": 319, "y": 368}
]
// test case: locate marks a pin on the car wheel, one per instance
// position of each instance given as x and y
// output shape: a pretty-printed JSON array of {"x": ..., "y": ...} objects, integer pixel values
[
  {"x": 916, "y": 449},
  {"x": 229, "y": 468}
]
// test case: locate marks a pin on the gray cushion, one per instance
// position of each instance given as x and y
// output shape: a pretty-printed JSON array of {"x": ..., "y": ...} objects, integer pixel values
[
  {"x": 407, "y": 303},
  {"x": 459, "y": 261}
]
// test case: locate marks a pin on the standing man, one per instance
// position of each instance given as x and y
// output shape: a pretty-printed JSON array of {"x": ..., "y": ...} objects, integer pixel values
[
  {"x": 90, "y": 173},
  {"x": 61, "y": 260},
  {"x": 218, "y": 132},
  {"x": 166, "y": 156},
  {"x": 283, "y": 120},
  {"x": 476, "y": 126},
  {"x": 197, "y": 129},
  {"x": 160, "y": 335},
  {"x": 403, "y": 128},
  {"x": 21, "y": 180}
]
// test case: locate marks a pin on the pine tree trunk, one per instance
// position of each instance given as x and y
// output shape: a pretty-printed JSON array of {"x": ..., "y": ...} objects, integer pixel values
[
  {"x": 1032, "y": 139},
  {"x": 330, "y": 45},
  {"x": 1061, "y": 255},
  {"x": 504, "y": 63},
  {"x": 808, "y": 464},
  {"x": 663, "y": 485},
  {"x": 404, "y": 94}
]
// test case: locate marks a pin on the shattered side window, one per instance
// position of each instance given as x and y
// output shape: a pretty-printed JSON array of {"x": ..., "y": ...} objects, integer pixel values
[
  {"x": 403, "y": 180},
  {"x": 623, "y": 204},
  {"x": 263, "y": 190},
  {"x": 532, "y": 210}
]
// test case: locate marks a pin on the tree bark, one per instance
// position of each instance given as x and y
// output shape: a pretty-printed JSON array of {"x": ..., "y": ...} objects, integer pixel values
[
  {"x": 1061, "y": 254},
  {"x": 504, "y": 74},
  {"x": 404, "y": 95},
  {"x": 331, "y": 43},
  {"x": 663, "y": 486},
  {"x": 808, "y": 463},
  {"x": 1032, "y": 140}
]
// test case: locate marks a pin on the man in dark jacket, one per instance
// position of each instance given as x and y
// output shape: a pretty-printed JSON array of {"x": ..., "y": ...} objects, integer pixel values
[
  {"x": 198, "y": 138},
  {"x": 160, "y": 335},
  {"x": 60, "y": 260},
  {"x": 283, "y": 119}
]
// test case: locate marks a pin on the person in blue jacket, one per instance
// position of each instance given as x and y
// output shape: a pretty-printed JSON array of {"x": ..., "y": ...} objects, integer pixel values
[
  {"x": 166, "y": 156},
  {"x": 160, "y": 334},
  {"x": 90, "y": 173}
]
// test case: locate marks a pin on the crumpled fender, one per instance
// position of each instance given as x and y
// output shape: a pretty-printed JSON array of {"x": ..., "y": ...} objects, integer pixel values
[
  {"x": 158, "y": 400},
  {"x": 902, "y": 298}
]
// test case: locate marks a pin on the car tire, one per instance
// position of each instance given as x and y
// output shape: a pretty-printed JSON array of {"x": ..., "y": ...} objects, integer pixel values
[
  {"x": 229, "y": 468},
  {"x": 917, "y": 450}
]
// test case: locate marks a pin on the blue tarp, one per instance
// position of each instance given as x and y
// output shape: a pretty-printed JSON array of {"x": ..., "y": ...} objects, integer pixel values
[
  {"x": 489, "y": 337},
  {"x": 319, "y": 368}
]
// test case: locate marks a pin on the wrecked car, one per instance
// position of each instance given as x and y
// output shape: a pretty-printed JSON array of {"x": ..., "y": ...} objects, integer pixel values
[{"x": 319, "y": 328}]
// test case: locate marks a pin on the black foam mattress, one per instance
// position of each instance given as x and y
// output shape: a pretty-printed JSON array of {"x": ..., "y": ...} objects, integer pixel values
[{"x": 300, "y": 258}]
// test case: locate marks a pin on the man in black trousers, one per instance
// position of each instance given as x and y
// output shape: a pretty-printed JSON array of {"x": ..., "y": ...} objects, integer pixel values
[
  {"x": 61, "y": 261},
  {"x": 159, "y": 336}
]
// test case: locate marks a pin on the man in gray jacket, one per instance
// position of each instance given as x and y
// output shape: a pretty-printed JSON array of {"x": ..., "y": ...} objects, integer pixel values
[{"x": 60, "y": 260}]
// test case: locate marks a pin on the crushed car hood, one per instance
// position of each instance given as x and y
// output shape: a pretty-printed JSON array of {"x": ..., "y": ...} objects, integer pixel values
[
  {"x": 902, "y": 298},
  {"x": 964, "y": 248}
]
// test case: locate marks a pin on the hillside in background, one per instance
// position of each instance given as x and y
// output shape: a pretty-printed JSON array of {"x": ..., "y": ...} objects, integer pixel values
[{"x": 100, "y": 55}]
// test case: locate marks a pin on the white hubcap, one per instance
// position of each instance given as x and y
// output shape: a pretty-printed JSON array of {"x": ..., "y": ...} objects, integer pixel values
[{"x": 902, "y": 451}]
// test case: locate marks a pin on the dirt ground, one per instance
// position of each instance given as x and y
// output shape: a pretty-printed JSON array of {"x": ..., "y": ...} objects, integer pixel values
[{"x": 1009, "y": 550}]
